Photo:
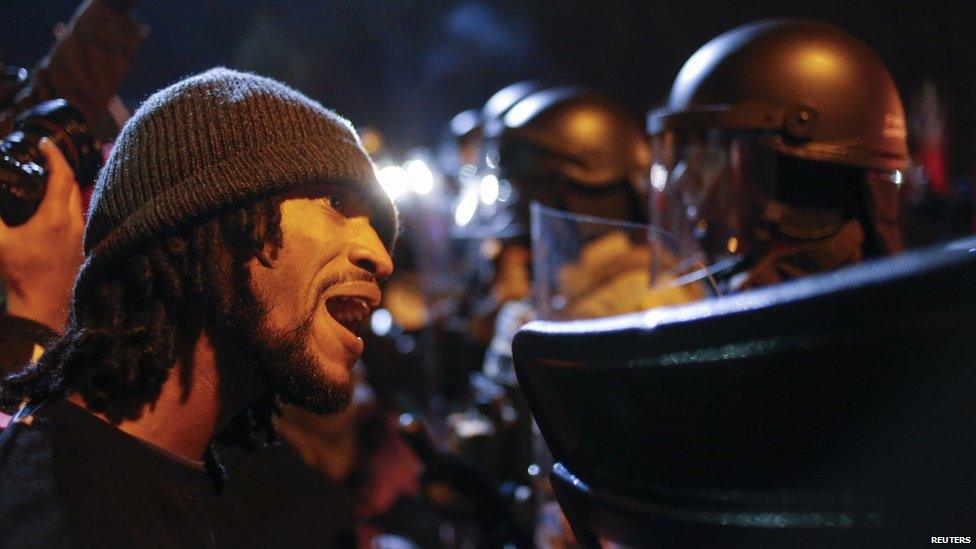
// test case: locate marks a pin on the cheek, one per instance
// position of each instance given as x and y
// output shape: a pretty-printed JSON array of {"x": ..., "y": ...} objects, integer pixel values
[
  {"x": 279, "y": 289},
  {"x": 290, "y": 288}
]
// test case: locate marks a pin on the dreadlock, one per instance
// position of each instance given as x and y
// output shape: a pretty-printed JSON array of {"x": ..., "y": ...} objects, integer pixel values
[{"x": 135, "y": 317}]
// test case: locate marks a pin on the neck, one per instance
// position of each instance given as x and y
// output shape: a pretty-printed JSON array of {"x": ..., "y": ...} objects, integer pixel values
[
  {"x": 191, "y": 408},
  {"x": 328, "y": 443}
]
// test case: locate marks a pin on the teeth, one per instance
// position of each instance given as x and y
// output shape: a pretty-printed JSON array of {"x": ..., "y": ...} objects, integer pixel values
[{"x": 348, "y": 310}]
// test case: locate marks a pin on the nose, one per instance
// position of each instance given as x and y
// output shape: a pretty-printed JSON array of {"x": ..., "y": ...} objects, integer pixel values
[{"x": 367, "y": 251}]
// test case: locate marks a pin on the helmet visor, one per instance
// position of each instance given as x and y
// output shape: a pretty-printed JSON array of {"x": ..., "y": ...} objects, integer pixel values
[
  {"x": 709, "y": 187},
  {"x": 589, "y": 267},
  {"x": 486, "y": 203}
]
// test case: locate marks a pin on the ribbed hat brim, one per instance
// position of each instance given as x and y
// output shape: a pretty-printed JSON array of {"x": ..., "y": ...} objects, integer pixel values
[{"x": 232, "y": 182}]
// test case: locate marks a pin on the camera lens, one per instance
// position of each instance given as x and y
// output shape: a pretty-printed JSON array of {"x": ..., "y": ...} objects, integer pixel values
[
  {"x": 22, "y": 175},
  {"x": 22, "y": 186}
]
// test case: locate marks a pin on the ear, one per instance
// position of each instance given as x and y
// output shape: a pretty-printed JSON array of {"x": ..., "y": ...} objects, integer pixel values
[
  {"x": 269, "y": 247},
  {"x": 263, "y": 256}
]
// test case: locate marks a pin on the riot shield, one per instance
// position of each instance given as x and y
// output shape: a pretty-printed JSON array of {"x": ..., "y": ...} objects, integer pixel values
[
  {"x": 591, "y": 267},
  {"x": 830, "y": 411}
]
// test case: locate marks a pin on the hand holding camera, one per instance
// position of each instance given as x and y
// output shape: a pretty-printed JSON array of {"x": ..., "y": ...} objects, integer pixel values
[
  {"x": 22, "y": 173},
  {"x": 40, "y": 257}
]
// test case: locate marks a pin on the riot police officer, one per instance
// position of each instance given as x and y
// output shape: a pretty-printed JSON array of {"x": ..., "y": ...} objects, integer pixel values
[
  {"x": 570, "y": 149},
  {"x": 780, "y": 152},
  {"x": 567, "y": 148}
]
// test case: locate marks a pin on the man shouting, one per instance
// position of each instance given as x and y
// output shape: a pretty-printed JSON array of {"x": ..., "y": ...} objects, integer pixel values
[{"x": 235, "y": 240}]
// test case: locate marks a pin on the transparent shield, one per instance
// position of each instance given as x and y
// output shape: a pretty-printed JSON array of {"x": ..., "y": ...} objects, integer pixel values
[
  {"x": 590, "y": 267},
  {"x": 485, "y": 205},
  {"x": 712, "y": 189}
]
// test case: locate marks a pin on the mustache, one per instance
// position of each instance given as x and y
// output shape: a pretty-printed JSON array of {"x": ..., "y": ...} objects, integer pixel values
[{"x": 344, "y": 277}]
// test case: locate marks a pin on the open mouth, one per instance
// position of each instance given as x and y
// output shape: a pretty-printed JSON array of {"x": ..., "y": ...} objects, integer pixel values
[{"x": 349, "y": 311}]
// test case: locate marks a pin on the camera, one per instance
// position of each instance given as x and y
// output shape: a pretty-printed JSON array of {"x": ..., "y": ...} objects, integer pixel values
[{"x": 23, "y": 178}]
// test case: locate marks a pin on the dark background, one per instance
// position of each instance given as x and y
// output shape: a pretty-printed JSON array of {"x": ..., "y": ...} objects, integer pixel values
[{"x": 406, "y": 66}]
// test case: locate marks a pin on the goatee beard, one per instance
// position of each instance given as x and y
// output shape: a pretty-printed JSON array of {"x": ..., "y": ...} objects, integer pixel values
[{"x": 282, "y": 357}]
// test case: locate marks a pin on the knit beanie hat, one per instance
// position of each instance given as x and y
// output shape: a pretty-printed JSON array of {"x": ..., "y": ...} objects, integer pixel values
[{"x": 218, "y": 140}]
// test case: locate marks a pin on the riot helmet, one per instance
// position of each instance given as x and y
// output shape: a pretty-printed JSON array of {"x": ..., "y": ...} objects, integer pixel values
[
  {"x": 473, "y": 218},
  {"x": 779, "y": 152},
  {"x": 503, "y": 100},
  {"x": 466, "y": 132},
  {"x": 568, "y": 148}
]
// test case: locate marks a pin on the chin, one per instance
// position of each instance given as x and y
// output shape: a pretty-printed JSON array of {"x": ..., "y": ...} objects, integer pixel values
[
  {"x": 314, "y": 385},
  {"x": 325, "y": 399}
]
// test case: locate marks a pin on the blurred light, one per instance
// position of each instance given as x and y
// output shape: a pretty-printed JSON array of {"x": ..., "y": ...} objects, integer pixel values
[
  {"x": 817, "y": 61},
  {"x": 372, "y": 140},
  {"x": 733, "y": 245},
  {"x": 405, "y": 419},
  {"x": 470, "y": 427},
  {"x": 659, "y": 177},
  {"x": 491, "y": 158},
  {"x": 504, "y": 190},
  {"x": 362, "y": 394},
  {"x": 522, "y": 493},
  {"x": 526, "y": 108},
  {"x": 490, "y": 248},
  {"x": 534, "y": 470},
  {"x": 381, "y": 322},
  {"x": 466, "y": 207},
  {"x": 394, "y": 181},
  {"x": 509, "y": 415},
  {"x": 420, "y": 177},
  {"x": 467, "y": 172},
  {"x": 489, "y": 190},
  {"x": 896, "y": 177},
  {"x": 404, "y": 344},
  {"x": 586, "y": 123},
  {"x": 465, "y": 122}
]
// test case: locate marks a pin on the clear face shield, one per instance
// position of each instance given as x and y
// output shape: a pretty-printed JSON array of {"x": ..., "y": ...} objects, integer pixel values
[
  {"x": 591, "y": 267},
  {"x": 587, "y": 267},
  {"x": 759, "y": 215},
  {"x": 763, "y": 202},
  {"x": 483, "y": 221},
  {"x": 495, "y": 196},
  {"x": 708, "y": 189},
  {"x": 484, "y": 207}
]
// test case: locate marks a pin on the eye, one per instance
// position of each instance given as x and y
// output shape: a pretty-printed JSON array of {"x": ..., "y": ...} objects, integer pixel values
[
  {"x": 340, "y": 200},
  {"x": 337, "y": 201},
  {"x": 346, "y": 203}
]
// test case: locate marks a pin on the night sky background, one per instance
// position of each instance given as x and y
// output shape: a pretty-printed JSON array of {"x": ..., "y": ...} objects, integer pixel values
[{"x": 407, "y": 66}]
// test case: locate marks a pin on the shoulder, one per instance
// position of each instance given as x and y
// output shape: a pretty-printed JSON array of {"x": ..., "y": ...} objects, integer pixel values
[
  {"x": 31, "y": 512},
  {"x": 69, "y": 478}
]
